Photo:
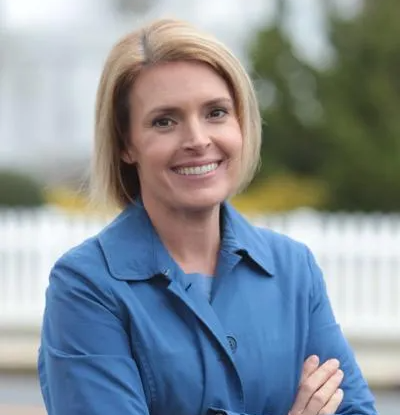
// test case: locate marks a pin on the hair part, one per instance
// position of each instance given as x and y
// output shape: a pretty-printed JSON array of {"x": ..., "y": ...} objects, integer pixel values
[{"x": 115, "y": 183}]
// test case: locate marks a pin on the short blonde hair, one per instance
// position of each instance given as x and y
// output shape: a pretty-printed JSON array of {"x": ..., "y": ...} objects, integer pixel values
[{"x": 116, "y": 183}]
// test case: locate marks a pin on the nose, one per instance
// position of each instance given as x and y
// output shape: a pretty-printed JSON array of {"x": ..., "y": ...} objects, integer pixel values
[{"x": 196, "y": 136}]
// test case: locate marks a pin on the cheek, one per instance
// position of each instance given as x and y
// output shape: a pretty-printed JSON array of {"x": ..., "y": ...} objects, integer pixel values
[
  {"x": 154, "y": 152},
  {"x": 236, "y": 135},
  {"x": 228, "y": 135},
  {"x": 234, "y": 142},
  {"x": 238, "y": 142}
]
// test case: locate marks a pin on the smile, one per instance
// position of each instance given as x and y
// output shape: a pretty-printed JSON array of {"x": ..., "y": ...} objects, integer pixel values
[{"x": 197, "y": 170}]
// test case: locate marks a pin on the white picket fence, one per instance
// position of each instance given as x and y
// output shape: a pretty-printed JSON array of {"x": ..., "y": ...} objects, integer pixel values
[{"x": 359, "y": 254}]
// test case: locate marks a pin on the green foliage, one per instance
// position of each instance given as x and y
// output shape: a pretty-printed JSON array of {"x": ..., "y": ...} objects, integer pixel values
[
  {"x": 286, "y": 84},
  {"x": 341, "y": 124},
  {"x": 19, "y": 190}
]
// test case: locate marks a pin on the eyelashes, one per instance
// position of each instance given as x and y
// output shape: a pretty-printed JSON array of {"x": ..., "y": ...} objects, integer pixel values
[
  {"x": 218, "y": 113},
  {"x": 166, "y": 121},
  {"x": 162, "y": 122}
]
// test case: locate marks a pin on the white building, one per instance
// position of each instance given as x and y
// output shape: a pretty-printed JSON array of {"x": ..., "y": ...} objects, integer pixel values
[
  {"x": 51, "y": 55},
  {"x": 50, "y": 66}
]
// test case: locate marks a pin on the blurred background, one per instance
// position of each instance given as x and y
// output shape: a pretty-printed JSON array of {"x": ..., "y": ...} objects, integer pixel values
[{"x": 327, "y": 74}]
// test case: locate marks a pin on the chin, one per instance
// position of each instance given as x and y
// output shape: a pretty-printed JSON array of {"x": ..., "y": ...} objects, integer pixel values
[{"x": 201, "y": 201}]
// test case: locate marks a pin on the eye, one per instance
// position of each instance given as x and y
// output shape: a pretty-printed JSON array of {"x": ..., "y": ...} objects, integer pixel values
[
  {"x": 217, "y": 113},
  {"x": 162, "y": 122}
]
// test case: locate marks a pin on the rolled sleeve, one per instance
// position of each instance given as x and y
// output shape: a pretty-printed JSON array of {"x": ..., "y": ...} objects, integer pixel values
[{"x": 327, "y": 341}]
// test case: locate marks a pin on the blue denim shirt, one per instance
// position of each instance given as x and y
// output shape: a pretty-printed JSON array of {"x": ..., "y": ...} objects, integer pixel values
[{"x": 125, "y": 332}]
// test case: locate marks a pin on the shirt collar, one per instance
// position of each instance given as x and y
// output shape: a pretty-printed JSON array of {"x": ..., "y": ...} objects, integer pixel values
[
  {"x": 132, "y": 247},
  {"x": 242, "y": 237},
  {"x": 134, "y": 251}
]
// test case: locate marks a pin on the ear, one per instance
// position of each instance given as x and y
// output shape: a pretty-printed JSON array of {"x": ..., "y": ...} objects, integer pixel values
[{"x": 128, "y": 157}]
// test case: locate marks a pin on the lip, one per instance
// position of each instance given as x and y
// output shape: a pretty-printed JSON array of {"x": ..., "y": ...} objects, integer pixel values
[{"x": 196, "y": 163}]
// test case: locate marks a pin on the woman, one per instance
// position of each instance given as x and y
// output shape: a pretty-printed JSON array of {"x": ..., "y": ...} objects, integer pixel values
[{"x": 180, "y": 306}]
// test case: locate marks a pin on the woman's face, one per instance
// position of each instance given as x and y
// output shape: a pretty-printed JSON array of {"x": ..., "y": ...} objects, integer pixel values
[{"x": 185, "y": 137}]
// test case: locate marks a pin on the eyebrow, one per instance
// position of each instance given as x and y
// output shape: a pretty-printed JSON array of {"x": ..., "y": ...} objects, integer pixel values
[{"x": 209, "y": 103}]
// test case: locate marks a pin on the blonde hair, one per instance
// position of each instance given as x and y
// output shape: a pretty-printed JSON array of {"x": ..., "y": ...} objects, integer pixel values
[{"x": 114, "y": 182}]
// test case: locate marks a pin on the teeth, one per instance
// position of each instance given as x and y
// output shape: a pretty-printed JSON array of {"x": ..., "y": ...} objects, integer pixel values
[{"x": 196, "y": 170}]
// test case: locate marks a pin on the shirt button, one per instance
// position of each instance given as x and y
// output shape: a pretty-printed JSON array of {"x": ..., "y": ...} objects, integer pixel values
[{"x": 232, "y": 343}]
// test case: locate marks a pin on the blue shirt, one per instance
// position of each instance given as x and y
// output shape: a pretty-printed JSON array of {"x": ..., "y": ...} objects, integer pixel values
[{"x": 125, "y": 332}]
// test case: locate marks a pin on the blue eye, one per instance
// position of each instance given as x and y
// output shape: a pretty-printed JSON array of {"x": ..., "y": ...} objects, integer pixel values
[
  {"x": 162, "y": 123},
  {"x": 218, "y": 113}
]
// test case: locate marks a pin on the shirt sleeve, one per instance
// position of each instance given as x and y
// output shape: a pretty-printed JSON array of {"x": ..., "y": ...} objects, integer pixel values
[
  {"x": 85, "y": 362},
  {"x": 327, "y": 341}
]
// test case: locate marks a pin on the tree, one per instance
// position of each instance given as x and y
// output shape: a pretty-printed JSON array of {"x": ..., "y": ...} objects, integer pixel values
[
  {"x": 19, "y": 190},
  {"x": 340, "y": 124}
]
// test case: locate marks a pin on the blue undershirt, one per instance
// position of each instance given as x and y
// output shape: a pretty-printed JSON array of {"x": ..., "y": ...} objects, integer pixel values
[{"x": 203, "y": 281}]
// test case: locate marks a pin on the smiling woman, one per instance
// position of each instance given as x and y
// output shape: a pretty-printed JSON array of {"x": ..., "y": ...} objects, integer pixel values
[
  {"x": 185, "y": 141},
  {"x": 180, "y": 306},
  {"x": 149, "y": 81}
]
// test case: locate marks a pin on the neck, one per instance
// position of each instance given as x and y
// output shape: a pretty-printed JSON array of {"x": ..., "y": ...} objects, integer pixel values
[{"x": 192, "y": 238}]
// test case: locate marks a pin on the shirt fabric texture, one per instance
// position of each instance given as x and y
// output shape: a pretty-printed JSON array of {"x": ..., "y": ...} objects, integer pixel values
[{"x": 125, "y": 332}]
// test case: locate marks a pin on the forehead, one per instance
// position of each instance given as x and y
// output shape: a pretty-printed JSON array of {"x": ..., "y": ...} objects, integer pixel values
[{"x": 178, "y": 81}]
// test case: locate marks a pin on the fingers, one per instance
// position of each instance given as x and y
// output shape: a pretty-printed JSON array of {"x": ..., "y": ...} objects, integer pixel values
[
  {"x": 324, "y": 395},
  {"x": 310, "y": 366},
  {"x": 310, "y": 385},
  {"x": 333, "y": 404}
]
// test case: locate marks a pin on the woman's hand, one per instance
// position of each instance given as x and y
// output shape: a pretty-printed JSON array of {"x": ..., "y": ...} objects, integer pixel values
[{"x": 319, "y": 392}]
